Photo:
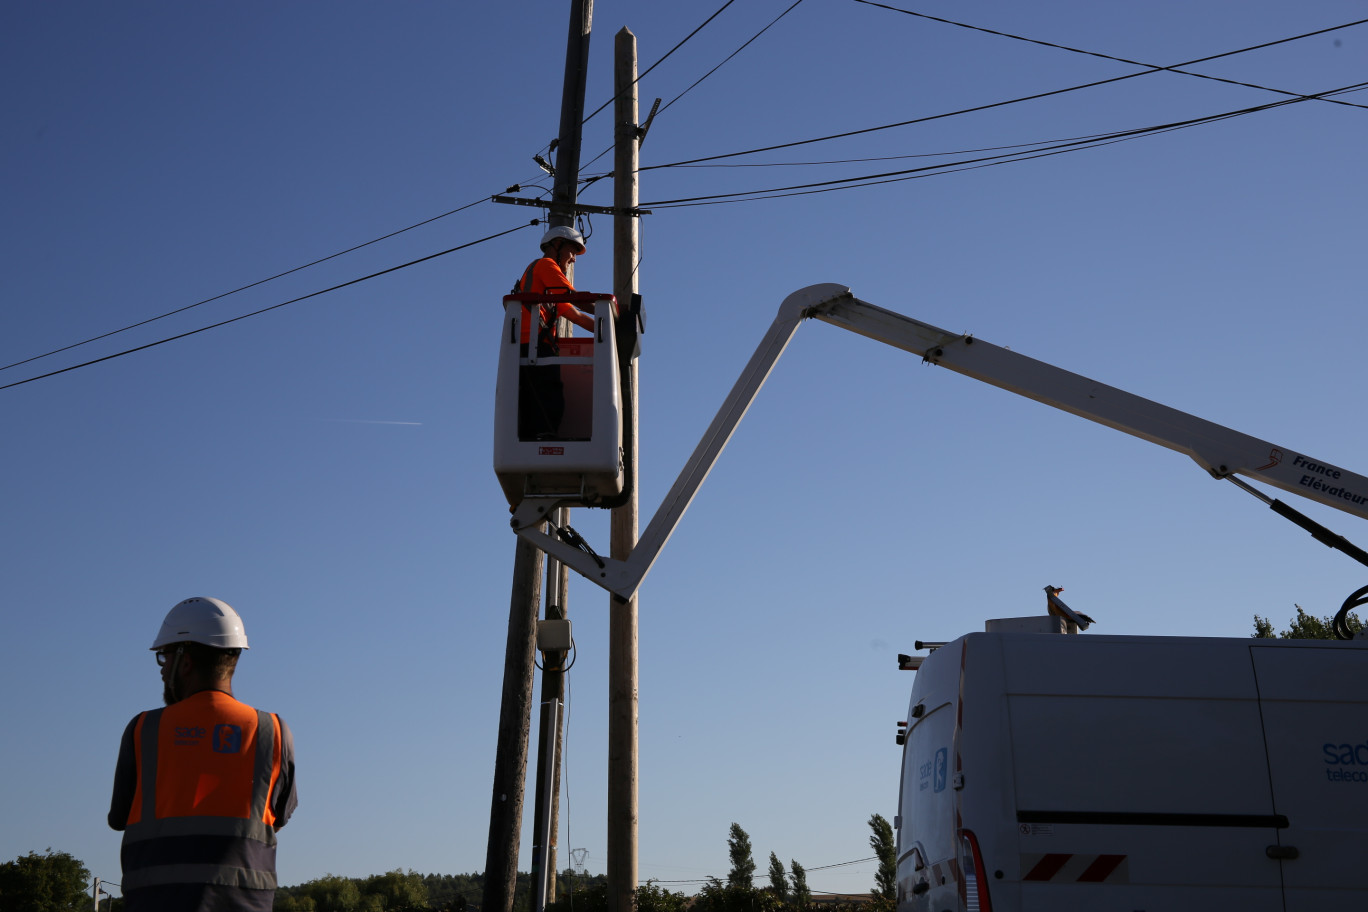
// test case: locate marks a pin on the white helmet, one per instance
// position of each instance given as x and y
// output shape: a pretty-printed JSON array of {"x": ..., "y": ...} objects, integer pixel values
[
  {"x": 202, "y": 620},
  {"x": 566, "y": 232}
]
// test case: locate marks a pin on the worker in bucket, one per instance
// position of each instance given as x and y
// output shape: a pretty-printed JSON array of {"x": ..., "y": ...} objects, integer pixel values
[
  {"x": 202, "y": 785},
  {"x": 541, "y": 396}
]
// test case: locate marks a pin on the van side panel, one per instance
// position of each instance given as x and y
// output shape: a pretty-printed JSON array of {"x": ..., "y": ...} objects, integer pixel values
[
  {"x": 1315, "y": 713},
  {"x": 1143, "y": 754}
]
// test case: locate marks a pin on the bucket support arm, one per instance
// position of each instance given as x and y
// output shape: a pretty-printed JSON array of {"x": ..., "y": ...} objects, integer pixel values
[{"x": 1222, "y": 452}]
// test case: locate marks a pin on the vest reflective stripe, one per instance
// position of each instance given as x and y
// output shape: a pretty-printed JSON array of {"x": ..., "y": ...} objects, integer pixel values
[
  {"x": 149, "y": 727},
  {"x": 547, "y": 314},
  {"x": 525, "y": 283},
  {"x": 222, "y": 875},
  {"x": 201, "y": 848},
  {"x": 522, "y": 285},
  {"x": 265, "y": 771},
  {"x": 201, "y": 826}
]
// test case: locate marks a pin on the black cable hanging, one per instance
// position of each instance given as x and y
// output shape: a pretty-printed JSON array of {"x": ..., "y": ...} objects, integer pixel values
[
  {"x": 263, "y": 310},
  {"x": 911, "y": 173},
  {"x": 1149, "y": 66},
  {"x": 241, "y": 288},
  {"x": 999, "y": 104}
]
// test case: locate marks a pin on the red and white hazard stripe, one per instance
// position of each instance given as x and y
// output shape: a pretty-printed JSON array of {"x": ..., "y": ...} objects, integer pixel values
[{"x": 1060, "y": 867}]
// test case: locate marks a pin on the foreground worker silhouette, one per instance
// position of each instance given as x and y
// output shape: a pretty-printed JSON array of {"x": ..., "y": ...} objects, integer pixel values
[{"x": 201, "y": 786}]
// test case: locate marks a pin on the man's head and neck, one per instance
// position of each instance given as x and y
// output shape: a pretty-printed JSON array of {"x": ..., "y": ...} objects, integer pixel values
[
  {"x": 198, "y": 648},
  {"x": 192, "y": 668},
  {"x": 563, "y": 245}
]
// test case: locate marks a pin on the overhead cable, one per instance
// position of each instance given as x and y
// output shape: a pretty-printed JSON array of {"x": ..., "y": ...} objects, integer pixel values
[
  {"x": 313, "y": 294},
  {"x": 1148, "y": 66},
  {"x": 842, "y": 864},
  {"x": 904, "y": 157},
  {"x": 986, "y": 107},
  {"x": 730, "y": 56},
  {"x": 988, "y": 161},
  {"x": 660, "y": 61},
  {"x": 839, "y": 864},
  {"x": 279, "y": 275},
  {"x": 695, "y": 83}
]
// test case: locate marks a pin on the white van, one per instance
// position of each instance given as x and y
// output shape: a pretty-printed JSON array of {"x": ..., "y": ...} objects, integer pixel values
[{"x": 1135, "y": 774}]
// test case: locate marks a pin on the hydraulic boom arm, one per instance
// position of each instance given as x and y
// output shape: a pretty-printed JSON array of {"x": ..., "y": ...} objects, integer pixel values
[{"x": 1221, "y": 451}]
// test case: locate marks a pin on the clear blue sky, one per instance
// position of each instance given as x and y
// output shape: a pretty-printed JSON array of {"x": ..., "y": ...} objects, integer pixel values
[{"x": 325, "y": 467}]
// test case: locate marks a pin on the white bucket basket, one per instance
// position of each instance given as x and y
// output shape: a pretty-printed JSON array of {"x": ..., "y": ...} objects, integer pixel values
[{"x": 571, "y": 448}]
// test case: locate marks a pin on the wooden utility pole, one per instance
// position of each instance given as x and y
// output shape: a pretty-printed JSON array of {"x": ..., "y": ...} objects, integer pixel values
[
  {"x": 565, "y": 193},
  {"x": 510, "y": 763},
  {"x": 510, "y": 759},
  {"x": 546, "y": 807},
  {"x": 622, "y": 646}
]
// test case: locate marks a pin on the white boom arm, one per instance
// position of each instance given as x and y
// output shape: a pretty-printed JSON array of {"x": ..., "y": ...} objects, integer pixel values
[{"x": 1219, "y": 450}]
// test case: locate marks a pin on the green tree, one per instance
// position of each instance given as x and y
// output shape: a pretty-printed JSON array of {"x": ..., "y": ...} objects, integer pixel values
[
  {"x": 457, "y": 892},
  {"x": 651, "y": 898},
  {"x": 778, "y": 882},
  {"x": 1305, "y": 626},
  {"x": 289, "y": 902},
  {"x": 742, "y": 873},
  {"x": 886, "y": 877},
  {"x": 717, "y": 896},
  {"x": 331, "y": 893},
  {"x": 801, "y": 895},
  {"x": 51, "y": 882},
  {"x": 394, "y": 891},
  {"x": 594, "y": 898}
]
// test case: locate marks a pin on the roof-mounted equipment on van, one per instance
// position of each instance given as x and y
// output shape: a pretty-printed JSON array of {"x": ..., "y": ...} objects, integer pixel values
[{"x": 1056, "y": 607}]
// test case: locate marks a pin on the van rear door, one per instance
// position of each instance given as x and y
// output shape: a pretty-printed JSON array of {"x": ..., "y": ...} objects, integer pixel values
[
  {"x": 1313, "y": 697},
  {"x": 927, "y": 872}
]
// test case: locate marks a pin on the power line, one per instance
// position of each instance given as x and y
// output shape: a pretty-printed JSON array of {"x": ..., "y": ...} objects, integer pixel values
[
  {"x": 730, "y": 56},
  {"x": 842, "y": 864},
  {"x": 850, "y": 161},
  {"x": 986, "y": 107},
  {"x": 241, "y": 288},
  {"x": 1149, "y": 66},
  {"x": 695, "y": 83},
  {"x": 314, "y": 294},
  {"x": 926, "y": 171},
  {"x": 757, "y": 876},
  {"x": 660, "y": 61}
]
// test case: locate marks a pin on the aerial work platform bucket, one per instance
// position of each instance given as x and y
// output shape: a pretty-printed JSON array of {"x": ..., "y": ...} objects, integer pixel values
[{"x": 558, "y": 408}]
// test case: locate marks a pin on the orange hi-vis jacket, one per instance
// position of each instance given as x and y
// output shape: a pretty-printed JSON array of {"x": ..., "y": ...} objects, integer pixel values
[
  {"x": 204, "y": 809},
  {"x": 543, "y": 276}
]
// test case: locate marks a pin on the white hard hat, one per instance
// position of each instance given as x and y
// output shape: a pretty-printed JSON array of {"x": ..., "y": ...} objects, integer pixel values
[
  {"x": 566, "y": 232},
  {"x": 210, "y": 621}
]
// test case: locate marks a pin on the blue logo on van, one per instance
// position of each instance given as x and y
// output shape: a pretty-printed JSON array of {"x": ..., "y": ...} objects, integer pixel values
[
  {"x": 227, "y": 739},
  {"x": 942, "y": 763},
  {"x": 1346, "y": 755}
]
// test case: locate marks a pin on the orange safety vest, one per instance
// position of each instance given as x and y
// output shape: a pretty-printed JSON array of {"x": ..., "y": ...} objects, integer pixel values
[
  {"x": 206, "y": 769},
  {"x": 543, "y": 276}
]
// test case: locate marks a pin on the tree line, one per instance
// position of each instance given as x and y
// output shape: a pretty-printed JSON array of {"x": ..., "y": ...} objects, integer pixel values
[
  {"x": 57, "y": 882},
  {"x": 1305, "y": 626},
  {"x": 787, "y": 889}
]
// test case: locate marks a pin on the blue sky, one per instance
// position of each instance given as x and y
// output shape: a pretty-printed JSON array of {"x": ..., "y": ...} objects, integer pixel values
[{"x": 325, "y": 466}]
